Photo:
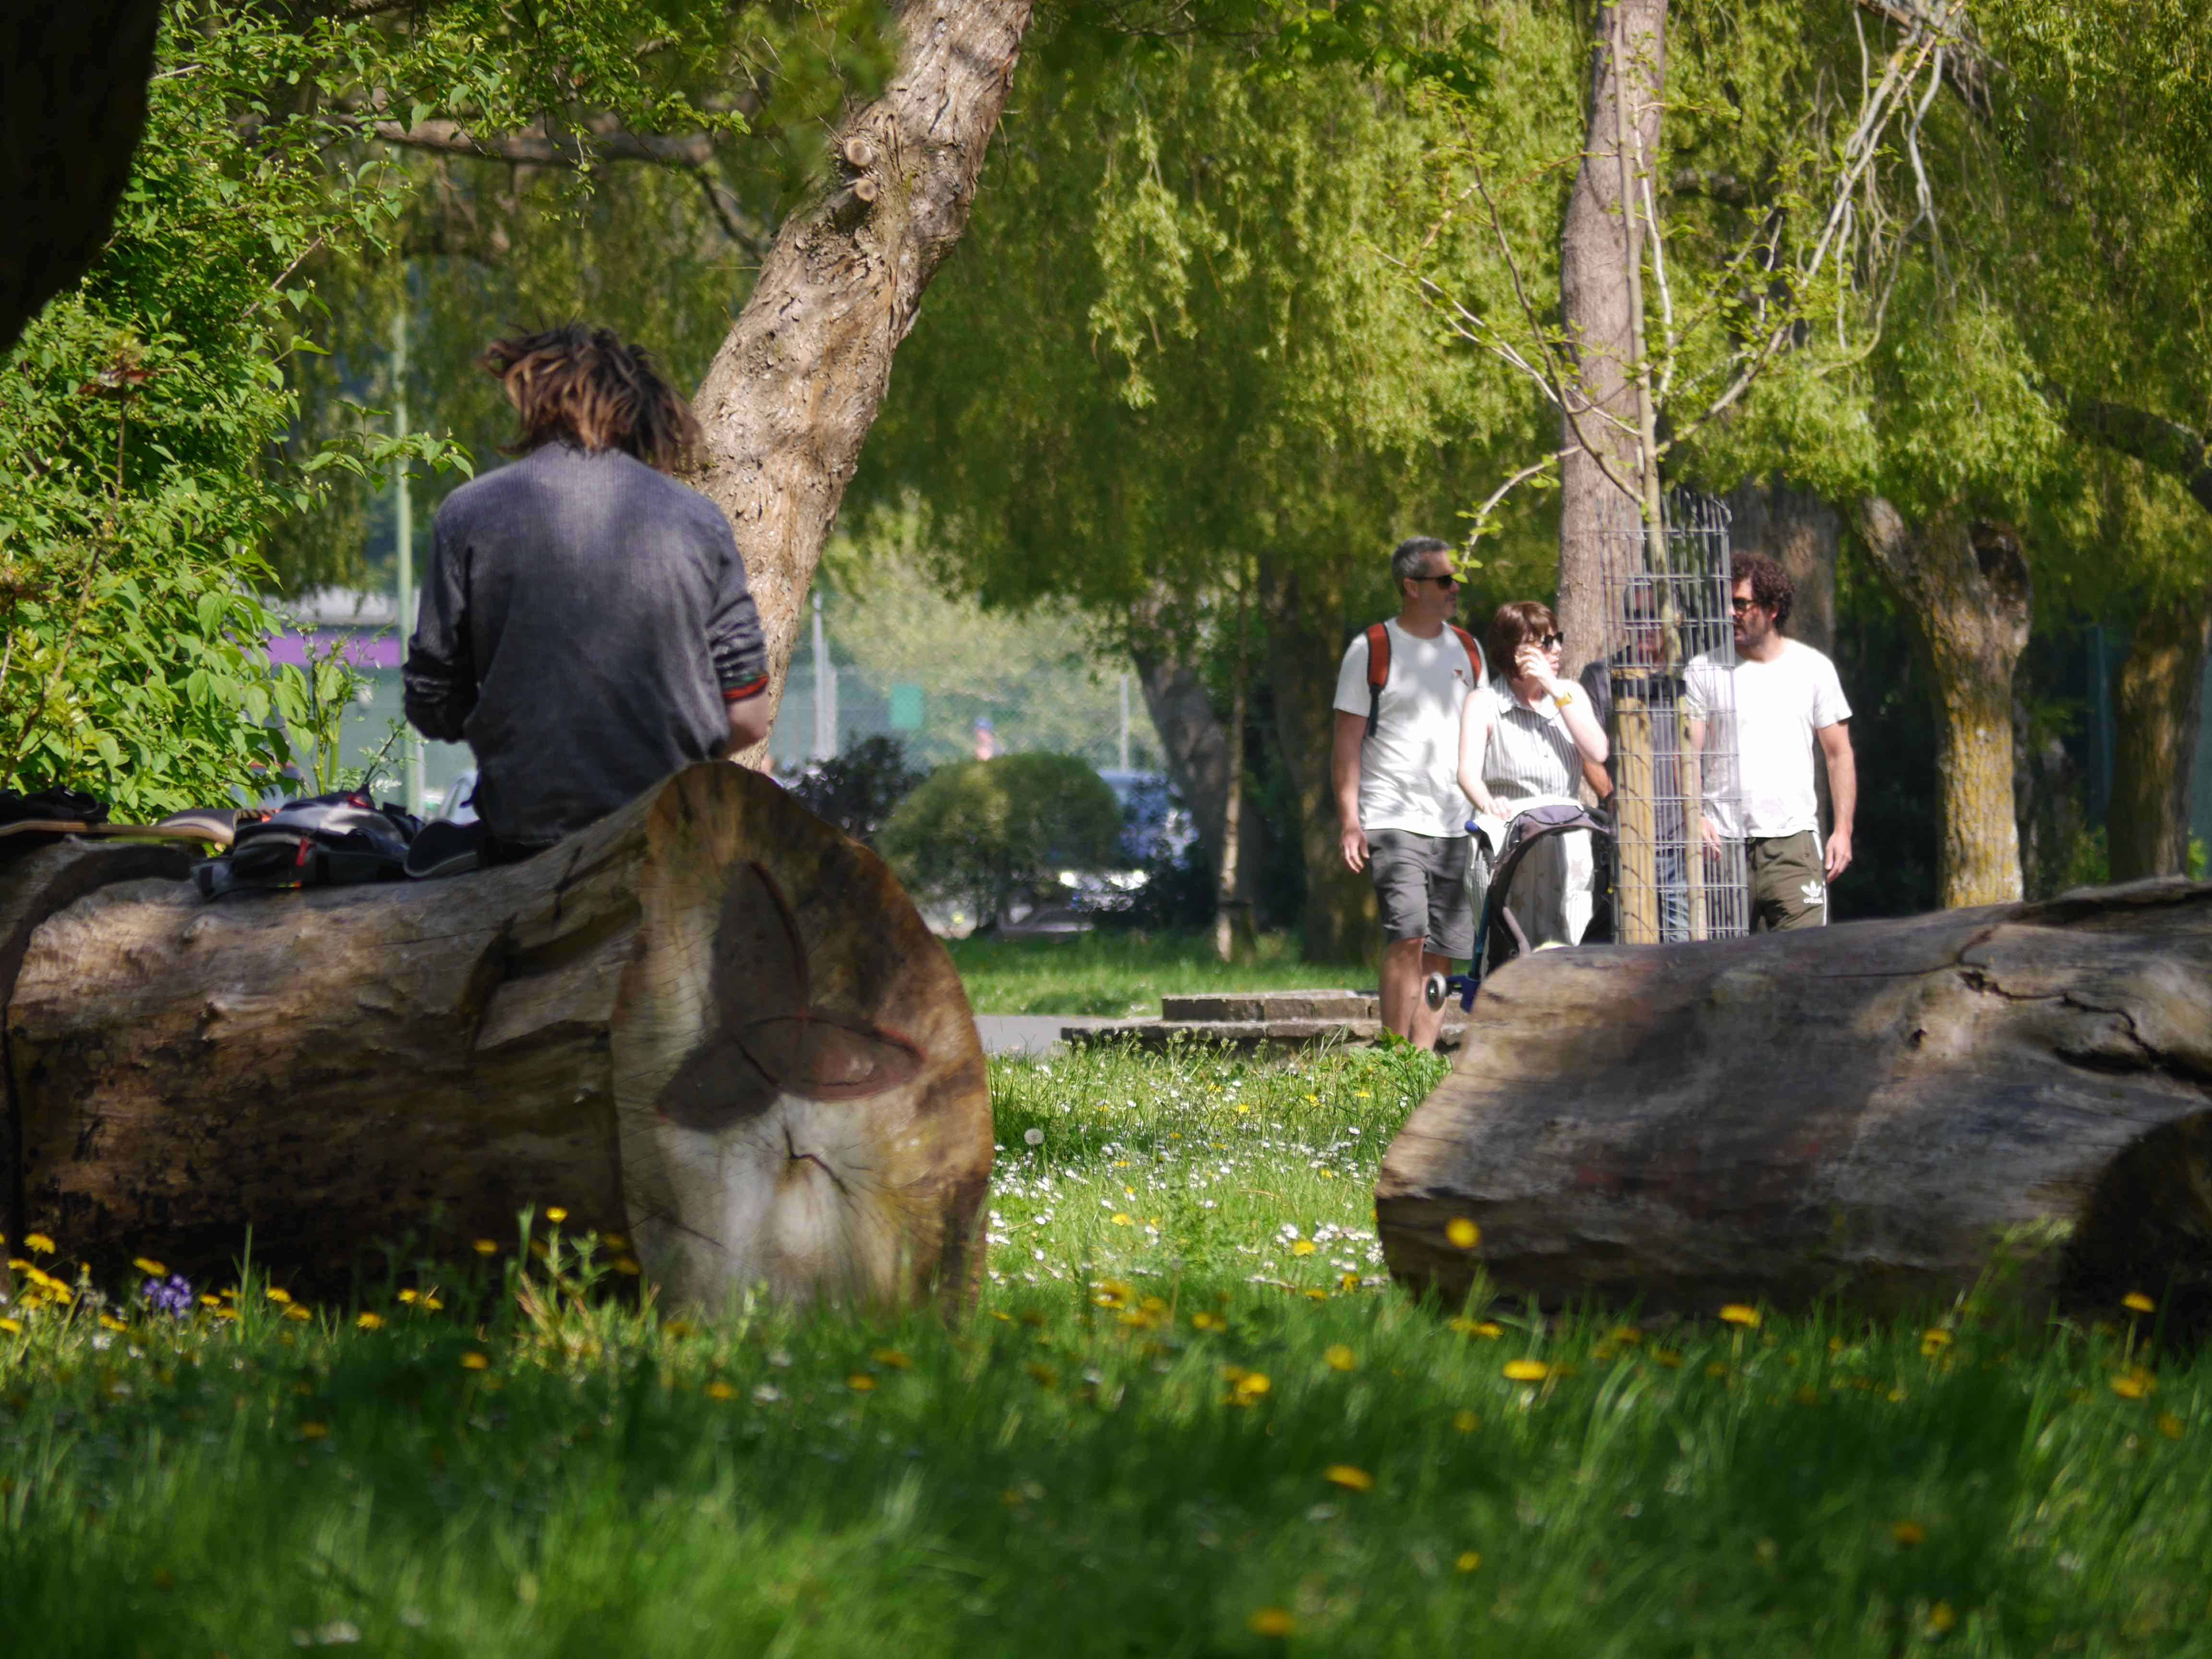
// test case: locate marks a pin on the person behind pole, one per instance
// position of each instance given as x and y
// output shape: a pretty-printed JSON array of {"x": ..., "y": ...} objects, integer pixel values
[
  {"x": 1394, "y": 766},
  {"x": 584, "y": 623},
  {"x": 1641, "y": 666},
  {"x": 1525, "y": 739},
  {"x": 1784, "y": 702}
]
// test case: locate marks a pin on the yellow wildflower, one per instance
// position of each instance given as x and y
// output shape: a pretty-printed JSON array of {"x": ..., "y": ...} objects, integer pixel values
[
  {"x": 2137, "y": 1301},
  {"x": 1738, "y": 1313},
  {"x": 1348, "y": 1476},
  {"x": 1941, "y": 1617},
  {"x": 2169, "y": 1425},
  {"x": 1275, "y": 1622},
  {"x": 486, "y": 1246},
  {"x": 1909, "y": 1535},
  {"x": 859, "y": 1382},
  {"x": 226, "y": 1312},
  {"x": 1120, "y": 1221},
  {"x": 1627, "y": 1335},
  {"x": 1466, "y": 1421},
  {"x": 151, "y": 1268},
  {"x": 278, "y": 1296},
  {"x": 110, "y": 1323},
  {"x": 1667, "y": 1357},
  {"x": 616, "y": 1241},
  {"x": 369, "y": 1322},
  {"x": 2135, "y": 1385},
  {"x": 39, "y": 1242},
  {"x": 430, "y": 1301},
  {"x": 297, "y": 1312},
  {"x": 1933, "y": 1341},
  {"x": 1043, "y": 1376},
  {"x": 719, "y": 1389},
  {"x": 408, "y": 1295},
  {"x": 1468, "y": 1561},
  {"x": 314, "y": 1431},
  {"x": 1463, "y": 1233},
  {"x": 1526, "y": 1370},
  {"x": 555, "y": 1214},
  {"x": 13, "y": 1326},
  {"x": 628, "y": 1265},
  {"x": 1340, "y": 1357},
  {"x": 1206, "y": 1322},
  {"x": 476, "y": 1362},
  {"x": 1304, "y": 1247},
  {"x": 1717, "y": 1368},
  {"x": 892, "y": 1357}
]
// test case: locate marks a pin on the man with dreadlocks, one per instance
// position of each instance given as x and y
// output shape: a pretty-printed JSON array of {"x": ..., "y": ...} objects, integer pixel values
[{"x": 585, "y": 622}]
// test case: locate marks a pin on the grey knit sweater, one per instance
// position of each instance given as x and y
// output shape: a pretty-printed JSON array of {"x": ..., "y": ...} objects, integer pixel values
[{"x": 584, "y": 622}]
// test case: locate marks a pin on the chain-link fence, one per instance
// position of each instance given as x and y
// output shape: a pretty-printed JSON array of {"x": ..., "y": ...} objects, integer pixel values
[{"x": 1679, "y": 861}]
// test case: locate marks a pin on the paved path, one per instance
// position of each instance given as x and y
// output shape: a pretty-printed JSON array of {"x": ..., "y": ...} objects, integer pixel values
[{"x": 1027, "y": 1034}]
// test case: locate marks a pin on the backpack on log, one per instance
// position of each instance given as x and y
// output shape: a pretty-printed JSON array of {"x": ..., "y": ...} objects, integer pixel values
[
  {"x": 709, "y": 1022},
  {"x": 1886, "y": 1113}
]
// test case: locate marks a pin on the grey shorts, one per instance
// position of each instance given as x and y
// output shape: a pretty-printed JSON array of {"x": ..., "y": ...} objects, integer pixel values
[{"x": 1420, "y": 883}]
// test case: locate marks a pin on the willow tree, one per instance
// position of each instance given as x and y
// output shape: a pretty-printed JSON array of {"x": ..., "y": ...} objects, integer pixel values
[{"x": 1187, "y": 352}]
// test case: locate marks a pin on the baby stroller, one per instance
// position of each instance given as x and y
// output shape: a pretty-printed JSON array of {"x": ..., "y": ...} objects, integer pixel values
[{"x": 1499, "y": 934}]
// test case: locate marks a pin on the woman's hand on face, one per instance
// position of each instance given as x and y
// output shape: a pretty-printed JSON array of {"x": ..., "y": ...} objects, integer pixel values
[{"x": 1529, "y": 663}]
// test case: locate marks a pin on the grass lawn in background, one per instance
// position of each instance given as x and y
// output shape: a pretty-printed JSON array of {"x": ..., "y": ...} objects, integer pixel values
[
  {"x": 1190, "y": 1416},
  {"x": 1125, "y": 974}
]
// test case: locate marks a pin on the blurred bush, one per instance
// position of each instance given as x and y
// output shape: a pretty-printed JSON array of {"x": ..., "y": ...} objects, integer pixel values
[
  {"x": 859, "y": 790},
  {"x": 988, "y": 832}
]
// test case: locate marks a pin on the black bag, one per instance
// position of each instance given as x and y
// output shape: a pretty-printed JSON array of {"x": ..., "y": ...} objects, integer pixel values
[{"x": 327, "y": 841}]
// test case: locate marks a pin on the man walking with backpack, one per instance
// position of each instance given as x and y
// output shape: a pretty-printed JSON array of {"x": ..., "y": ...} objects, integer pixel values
[{"x": 1395, "y": 768}]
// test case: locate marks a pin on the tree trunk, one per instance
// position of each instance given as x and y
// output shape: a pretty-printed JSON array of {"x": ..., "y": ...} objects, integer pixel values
[
  {"x": 1861, "y": 1111},
  {"x": 1195, "y": 743},
  {"x": 1305, "y": 644},
  {"x": 1967, "y": 597},
  {"x": 1599, "y": 430},
  {"x": 795, "y": 387},
  {"x": 708, "y": 1022},
  {"x": 1799, "y": 531},
  {"x": 1233, "y": 937},
  {"x": 2161, "y": 698}
]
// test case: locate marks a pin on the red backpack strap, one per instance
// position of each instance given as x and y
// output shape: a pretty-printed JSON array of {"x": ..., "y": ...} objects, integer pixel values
[
  {"x": 1378, "y": 672},
  {"x": 1474, "y": 653}
]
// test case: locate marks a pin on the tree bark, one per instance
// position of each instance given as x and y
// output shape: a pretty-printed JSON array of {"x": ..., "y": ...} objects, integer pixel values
[
  {"x": 2160, "y": 703},
  {"x": 1598, "y": 428},
  {"x": 1304, "y": 643},
  {"x": 1967, "y": 597},
  {"x": 1799, "y": 531},
  {"x": 792, "y": 392},
  {"x": 1195, "y": 743},
  {"x": 709, "y": 1022},
  {"x": 1860, "y": 1112}
]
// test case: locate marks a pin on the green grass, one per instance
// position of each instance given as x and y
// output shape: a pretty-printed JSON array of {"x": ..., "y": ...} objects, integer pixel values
[
  {"x": 1126, "y": 974},
  {"x": 1090, "y": 1466}
]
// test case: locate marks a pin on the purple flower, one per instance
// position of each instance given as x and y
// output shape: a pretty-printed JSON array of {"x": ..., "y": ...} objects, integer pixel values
[{"x": 172, "y": 1296}]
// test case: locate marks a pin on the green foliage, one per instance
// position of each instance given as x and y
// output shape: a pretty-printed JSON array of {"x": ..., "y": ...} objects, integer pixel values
[
  {"x": 1125, "y": 1449},
  {"x": 984, "y": 832}
]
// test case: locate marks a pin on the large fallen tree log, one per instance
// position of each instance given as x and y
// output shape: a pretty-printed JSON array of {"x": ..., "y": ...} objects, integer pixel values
[
  {"x": 1876, "y": 1112},
  {"x": 710, "y": 1023}
]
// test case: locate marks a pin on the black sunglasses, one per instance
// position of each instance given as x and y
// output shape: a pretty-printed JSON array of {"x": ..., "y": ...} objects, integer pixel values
[
  {"x": 1551, "y": 639},
  {"x": 1445, "y": 582}
]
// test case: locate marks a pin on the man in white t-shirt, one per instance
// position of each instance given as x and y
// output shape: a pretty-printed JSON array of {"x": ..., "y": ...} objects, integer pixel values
[
  {"x": 1785, "y": 701},
  {"x": 1395, "y": 768}
]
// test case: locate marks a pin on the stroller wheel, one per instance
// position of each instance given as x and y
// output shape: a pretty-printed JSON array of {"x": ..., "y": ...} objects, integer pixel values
[{"x": 1434, "y": 990}]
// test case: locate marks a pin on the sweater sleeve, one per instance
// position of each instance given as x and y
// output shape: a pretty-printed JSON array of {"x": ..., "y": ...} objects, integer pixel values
[
  {"x": 734, "y": 638},
  {"x": 440, "y": 677}
]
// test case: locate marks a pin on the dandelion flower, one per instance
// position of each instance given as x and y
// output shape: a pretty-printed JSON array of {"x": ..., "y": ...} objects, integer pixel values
[
  {"x": 628, "y": 1265},
  {"x": 39, "y": 1242},
  {"x": 486, "y": 1246},
  {"x": 892, "y": 1357},
  {"x": 431, "y": 1302},
  {"x": 1254, "y": 1382},
  {"x": 719, "y": 1389},
  {"x": 616, "y": 1241},
  {"x": 2169, "y": 1425},
  {"x": 1349, "y": 1476},
  {"x": 1043, "y": 1376},
  {"x": 555, "y": 1214},
  {"x": 1738, "y": 1313},
  {"x": 1667, "y": 1357},
  {"x": 2134, "y": 1385},
  {"x": 13, "y": 1326},
  {"x": 1340, "y": 1358},
  {"x": 1626, "y": 1335},
  {"x": 1304, "y": 1247},
  {"x": 860, "y": 1382},
  {"x": 2137, "y": 1301},
  {"x": 314, "y": 1431},
  {"x": 1941, "y": 1617},
  {"x": 278, "y": 1295},
  {"x": 1466, "y": 1421},
  {"x": 110, "y": 1323},
  {"x": 296, "y": 1311},
  {"x": 1033, "y": 1137},
  {"x": 476, "y": 1362},
  {"x": 1206, "y": 1322},
  {"x": 1275, "y": 1622},
  {"x": 1526, "y": 1370},
  {"x": 370, "y": 1322},
  {"x": 151, "y": 1268},
  {"x": 1120, "y": 1221},
  {"x": 1909, "y": 1535},
  {"x": 408, "y": 1295},
  {"x": 1463, "y": 1233},
  {"x": 1468, "y": 1562}
]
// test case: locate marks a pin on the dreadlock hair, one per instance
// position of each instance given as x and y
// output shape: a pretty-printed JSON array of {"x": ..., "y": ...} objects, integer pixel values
[{"x": 584, "y": 387}]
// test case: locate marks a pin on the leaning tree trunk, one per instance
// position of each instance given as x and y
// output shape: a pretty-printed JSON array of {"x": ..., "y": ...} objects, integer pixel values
[
  {"x": 1967, "y": 597},
  {"x": 1879, "y": 1112},
  {"x": 708, "y": 1022},
  {"x": 1600, "y": 425},
  {"x": 1196, "y": 744},
  {"x": 796, "y": 386},
  {"x": 2160, "y": 703}
]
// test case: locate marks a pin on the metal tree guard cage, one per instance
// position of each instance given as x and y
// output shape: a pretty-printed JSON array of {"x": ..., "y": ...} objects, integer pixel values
[{"x": 1669, "y": 651}]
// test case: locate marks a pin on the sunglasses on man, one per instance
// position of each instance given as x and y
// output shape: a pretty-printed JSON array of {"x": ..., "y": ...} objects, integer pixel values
[{"x": 1446, "y": 582}]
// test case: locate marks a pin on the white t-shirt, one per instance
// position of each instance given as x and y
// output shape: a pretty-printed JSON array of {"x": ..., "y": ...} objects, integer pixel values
[
  {"x": 1763, "y": 715},
  {"x": 1409, "y": 764}
]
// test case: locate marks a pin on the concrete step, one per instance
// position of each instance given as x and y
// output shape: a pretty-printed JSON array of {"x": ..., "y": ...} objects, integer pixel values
[
  {"x": 1244, "y": 1033},
  {"x": 1267, "y": 1007}
]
